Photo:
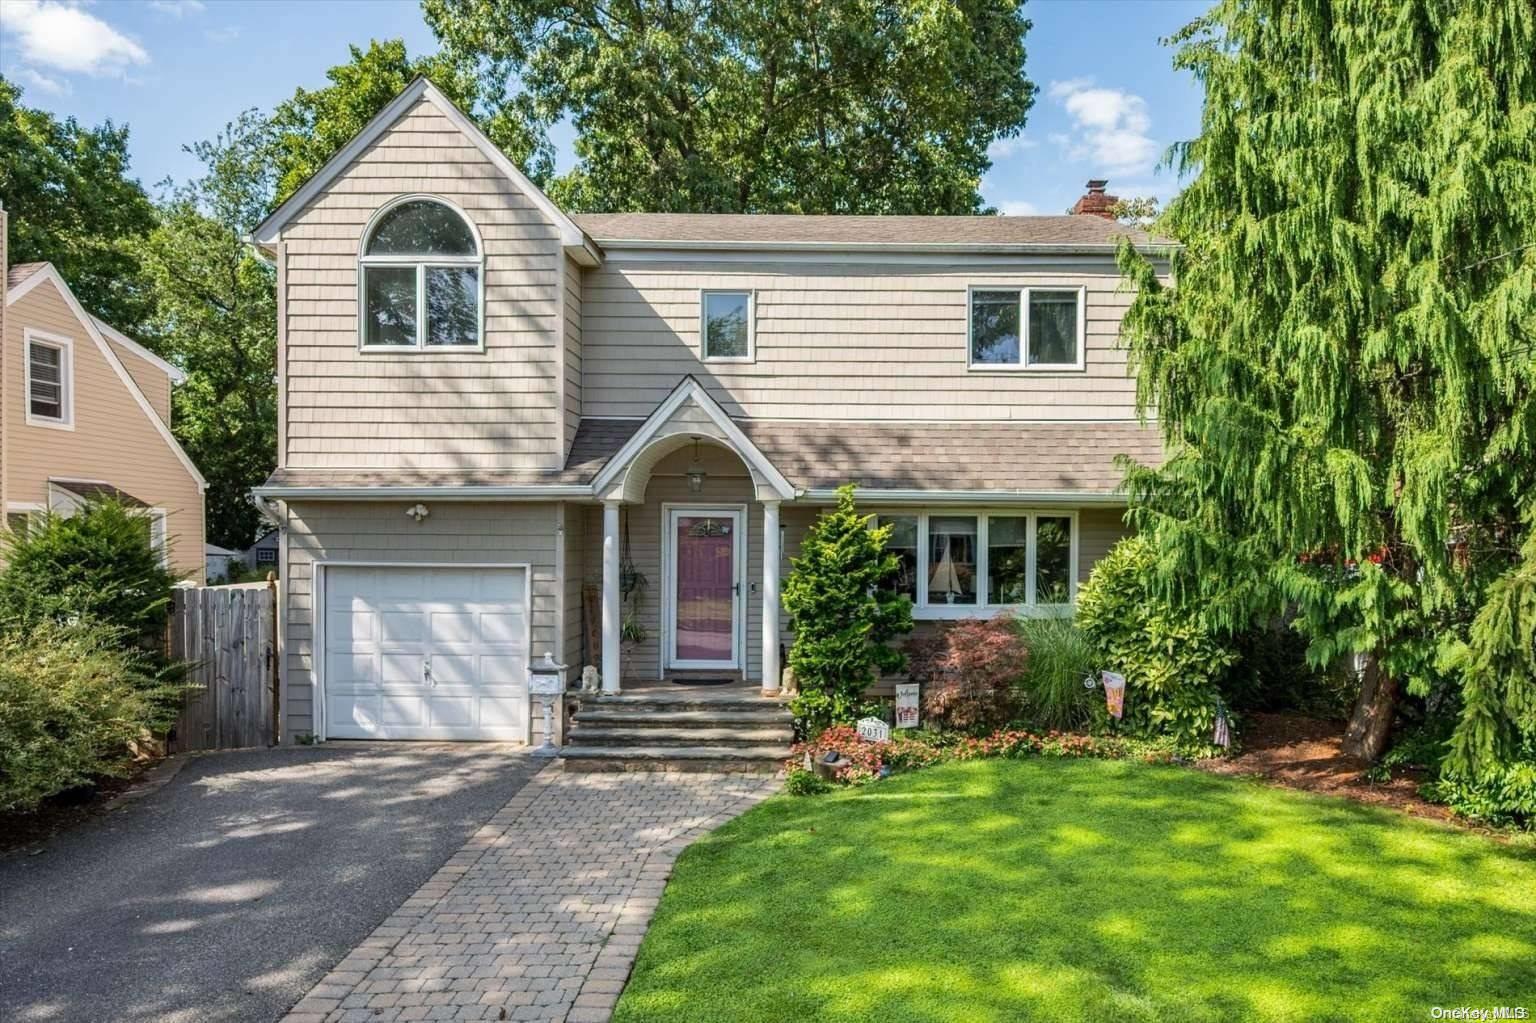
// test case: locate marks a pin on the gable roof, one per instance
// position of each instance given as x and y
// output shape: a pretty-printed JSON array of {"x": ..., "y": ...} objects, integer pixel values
[
  {"x": 50, "y": 274},
  {"x": 766, "y": 230},
  {"x": 118, "y": 337},
  {"x": 690, "y": 390},
  {"x": 576, "y": 243}
]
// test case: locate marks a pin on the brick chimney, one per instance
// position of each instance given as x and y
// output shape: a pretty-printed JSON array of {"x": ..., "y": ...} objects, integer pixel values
[{"x": 1096, "y": 202}]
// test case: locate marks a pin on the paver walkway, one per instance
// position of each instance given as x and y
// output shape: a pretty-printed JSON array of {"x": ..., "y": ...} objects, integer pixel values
[{"x": 539, "y": 916}]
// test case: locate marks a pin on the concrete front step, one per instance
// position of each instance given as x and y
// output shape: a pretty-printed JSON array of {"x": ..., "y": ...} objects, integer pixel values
[
  {"x": 587, "y": 733},
  {"x": 643, "y": 717},
  {"x": 681, "y": 699},
  {"x": 765, "y": 759}
]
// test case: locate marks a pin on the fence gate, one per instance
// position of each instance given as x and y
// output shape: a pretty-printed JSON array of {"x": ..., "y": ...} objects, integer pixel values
[{"x": 227, "y": 636}]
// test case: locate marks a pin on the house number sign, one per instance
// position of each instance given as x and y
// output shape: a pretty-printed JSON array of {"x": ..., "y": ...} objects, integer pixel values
[{"x": 874, "y": 730}]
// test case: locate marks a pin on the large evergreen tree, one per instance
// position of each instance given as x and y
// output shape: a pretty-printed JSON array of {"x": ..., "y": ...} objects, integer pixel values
[
  {"x": 1345, "y": 371},
  {"x": 772, "y": 106}
]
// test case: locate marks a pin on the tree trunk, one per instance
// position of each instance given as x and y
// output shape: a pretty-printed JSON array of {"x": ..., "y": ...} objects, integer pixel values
[{"x": 1369, "y": 725}]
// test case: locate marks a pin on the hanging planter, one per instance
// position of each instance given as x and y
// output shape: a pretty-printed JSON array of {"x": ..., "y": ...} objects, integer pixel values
[{"x": 632, "y": 586}]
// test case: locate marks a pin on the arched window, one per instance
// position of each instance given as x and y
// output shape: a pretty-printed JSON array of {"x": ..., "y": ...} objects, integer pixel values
[{"x": 421, "y": 279}]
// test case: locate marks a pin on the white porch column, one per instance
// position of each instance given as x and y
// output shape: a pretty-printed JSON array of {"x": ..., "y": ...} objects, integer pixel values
[
  {"x": 770, "y": 598},
  {"x": 610, "y": 666}
]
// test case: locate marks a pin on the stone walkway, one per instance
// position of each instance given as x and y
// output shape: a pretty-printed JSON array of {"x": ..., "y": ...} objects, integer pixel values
[{"x": 541, "y": 913}]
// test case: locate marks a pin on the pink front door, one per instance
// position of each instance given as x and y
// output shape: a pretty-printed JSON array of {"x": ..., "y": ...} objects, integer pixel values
[{"x": 704, "y": 600}]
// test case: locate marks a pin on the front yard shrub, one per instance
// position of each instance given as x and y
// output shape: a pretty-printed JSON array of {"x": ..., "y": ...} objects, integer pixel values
[
  {"x": 841, "y": 616},
  {"x": 1051, "y": 692},
  {"x": 1172, "y": 662},
  {"x": 97, "y": 566},
  {"x": 800, "y": 782},
  {"x": 861, "y": 760},
  {"x": 73, "y": 699},
  {"x": 969, "y": 671}
]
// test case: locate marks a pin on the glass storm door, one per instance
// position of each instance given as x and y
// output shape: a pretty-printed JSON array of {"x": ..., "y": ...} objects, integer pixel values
[{"x": 705, "y": 592}]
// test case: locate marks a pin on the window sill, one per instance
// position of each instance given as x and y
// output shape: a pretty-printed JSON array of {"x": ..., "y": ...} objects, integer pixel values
[
  {"x": 51, "y": 424},
  {"x": 957, "y": 612},
  {"x": 729, "y": 360},
  {"x": 1018, "y": 368},
  {"x": 417, "y": 350}
]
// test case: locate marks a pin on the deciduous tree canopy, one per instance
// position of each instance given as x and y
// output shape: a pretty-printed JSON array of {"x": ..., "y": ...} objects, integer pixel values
[
  {"x": 71, "y": 203},
  {"x": 867, "y": 106}
]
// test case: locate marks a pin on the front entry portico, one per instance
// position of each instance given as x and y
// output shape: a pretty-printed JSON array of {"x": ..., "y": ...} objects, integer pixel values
[{"x": 716, "y": 544}]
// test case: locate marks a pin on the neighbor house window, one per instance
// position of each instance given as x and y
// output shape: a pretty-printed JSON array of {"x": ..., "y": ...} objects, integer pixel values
[
  {"x": 421, "y": 279},
  {"x": 49, "y": 380},
  {"x": 975, "y": 561},
  {"x": 266, "y": 555},
  {"x": 727, "y": 326},
  {"x": 1026, "y": 328}
]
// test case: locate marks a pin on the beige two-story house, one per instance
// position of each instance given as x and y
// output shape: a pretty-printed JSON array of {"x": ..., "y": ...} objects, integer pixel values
[
  {"x": 507, "y": 431},
  {"x": 85, "y": 412}
]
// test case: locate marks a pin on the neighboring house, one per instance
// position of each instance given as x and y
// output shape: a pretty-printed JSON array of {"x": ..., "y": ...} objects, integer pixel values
[
  {"x": 261, "y": 556},
  {"x": 489, "y": 405},
  {"x": 85, "y": 411},
  {"x": 218, "y": 561}
]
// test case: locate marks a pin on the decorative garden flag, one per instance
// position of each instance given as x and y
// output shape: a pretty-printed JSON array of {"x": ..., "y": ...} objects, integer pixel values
[
  {"x": 906, "y": 705},
  {"x": 1223, "y": 733},
  {"x": 1114, "y": 693}
]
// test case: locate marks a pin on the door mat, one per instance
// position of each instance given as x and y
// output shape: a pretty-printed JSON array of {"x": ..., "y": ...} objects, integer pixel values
[{"x": 702, "y": 681}]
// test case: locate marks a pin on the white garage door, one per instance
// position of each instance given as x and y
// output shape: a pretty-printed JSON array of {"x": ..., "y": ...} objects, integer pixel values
[{"x": 426, "y": 653}]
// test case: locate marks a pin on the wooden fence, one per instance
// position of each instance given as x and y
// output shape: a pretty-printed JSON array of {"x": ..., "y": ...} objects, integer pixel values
[{"x": 227, "y": 634}]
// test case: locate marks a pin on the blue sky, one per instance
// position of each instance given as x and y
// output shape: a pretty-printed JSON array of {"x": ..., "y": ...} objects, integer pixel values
[{"x": 177, "y": 70}]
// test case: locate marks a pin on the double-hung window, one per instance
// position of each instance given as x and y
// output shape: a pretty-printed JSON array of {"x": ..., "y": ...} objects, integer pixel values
[
  {"x": 725, "y": 326},
  {"x": 958, "y": 563},
  {"x": 421, "y": 280},
  {"x": 1026, "y": 328},
  {"x": 49, "y": 380}
]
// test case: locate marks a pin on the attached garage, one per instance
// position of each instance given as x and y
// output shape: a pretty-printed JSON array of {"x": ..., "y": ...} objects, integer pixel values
[{"x": 425, "y": 652}]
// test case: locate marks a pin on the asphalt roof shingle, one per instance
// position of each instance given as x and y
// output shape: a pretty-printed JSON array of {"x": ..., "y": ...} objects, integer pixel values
[
  {"x": 768, "y": 229},
  {"x": 1023, "y": 457},
  {"x": 21, "y": 271}
]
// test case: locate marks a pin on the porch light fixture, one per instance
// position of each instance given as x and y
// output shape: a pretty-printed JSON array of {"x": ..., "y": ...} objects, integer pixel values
[
  {"x": 696, "y": 471},
  {"x": 418, "y": 512}
]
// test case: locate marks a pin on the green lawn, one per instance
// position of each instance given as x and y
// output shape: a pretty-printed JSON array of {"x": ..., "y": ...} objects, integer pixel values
[{"x": 1093, "y": 890}]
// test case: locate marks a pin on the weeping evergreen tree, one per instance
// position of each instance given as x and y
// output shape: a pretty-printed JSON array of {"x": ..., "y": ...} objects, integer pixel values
[{"x": 1344, "y": 373}]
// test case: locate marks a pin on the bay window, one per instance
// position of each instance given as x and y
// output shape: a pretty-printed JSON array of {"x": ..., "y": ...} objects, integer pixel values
[{"x": 959, "y": 563}]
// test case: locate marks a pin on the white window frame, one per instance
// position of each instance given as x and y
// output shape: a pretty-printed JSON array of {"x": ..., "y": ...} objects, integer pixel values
[
  {"x": 922, "y": 610},
  {"x": 66, "y": 349},
  {"x": 421, "y": 263},
  {"x": 1023, "y": 365},
  {"x": 159, "y": 534},
  {"x": 266, "y": 556},
  {"x": 33, "y": 510},
  {"x": 751, "y": 355}
]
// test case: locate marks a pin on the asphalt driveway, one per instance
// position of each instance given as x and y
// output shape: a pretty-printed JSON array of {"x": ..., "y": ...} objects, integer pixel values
[{"x": 228, "y": 893}]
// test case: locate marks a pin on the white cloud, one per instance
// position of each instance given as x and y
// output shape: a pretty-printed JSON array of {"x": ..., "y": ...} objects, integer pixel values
[
  {"x": 42, "y": 83},
  {"x": 1018, "y": 208},
  {"x": 1110, "y": 126},
  {"x": 65, "y": 37},
  {"x": 177, "y": 8},
  {"x": 1001, "y": 149}
]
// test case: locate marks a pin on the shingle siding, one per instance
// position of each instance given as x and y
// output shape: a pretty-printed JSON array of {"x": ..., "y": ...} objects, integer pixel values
[
  {"x": 454, "y": 533},
  {"x": 842, "y": 340},
  {"x": 495, "y": 409}
]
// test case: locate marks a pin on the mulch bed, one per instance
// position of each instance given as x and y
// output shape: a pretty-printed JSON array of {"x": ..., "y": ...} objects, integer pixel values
[
  {"x": 1304, "y": 753},
  {"x": 63, "y": 811}
]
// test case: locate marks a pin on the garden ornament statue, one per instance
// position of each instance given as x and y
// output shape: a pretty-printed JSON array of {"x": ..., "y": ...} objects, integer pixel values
[{"x": 591, "y": 681}]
